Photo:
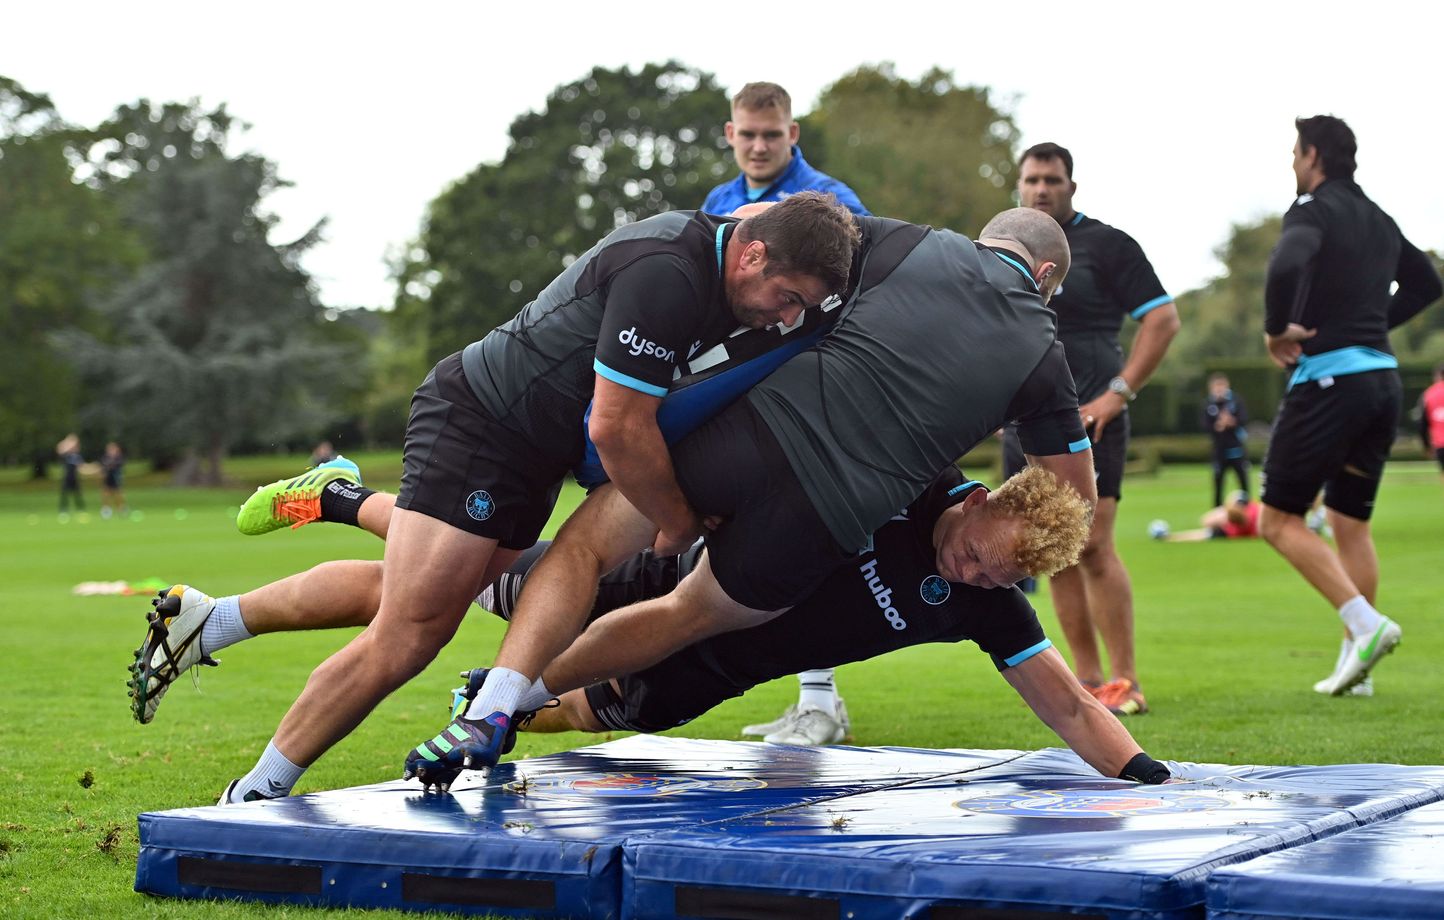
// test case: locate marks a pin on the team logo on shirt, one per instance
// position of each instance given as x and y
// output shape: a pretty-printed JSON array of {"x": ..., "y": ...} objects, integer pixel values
[
  {"x": 638, "y": 345},
  {"x": 479, "y": 505},
  {"x": 1098, "y": 802},
  {"x": 935, "y": 589},
  {"x": 631, "y": 785}
]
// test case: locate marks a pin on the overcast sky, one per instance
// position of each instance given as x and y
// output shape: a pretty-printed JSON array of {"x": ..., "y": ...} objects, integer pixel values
[{"x": 1179, "y": 116}]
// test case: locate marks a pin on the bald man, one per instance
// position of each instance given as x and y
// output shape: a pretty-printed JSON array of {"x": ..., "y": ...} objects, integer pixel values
[{"x": 945, "y": 340}]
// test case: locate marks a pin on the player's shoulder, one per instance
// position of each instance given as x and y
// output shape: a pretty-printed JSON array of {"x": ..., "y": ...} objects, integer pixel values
[{"x": 1097, "y": 233}]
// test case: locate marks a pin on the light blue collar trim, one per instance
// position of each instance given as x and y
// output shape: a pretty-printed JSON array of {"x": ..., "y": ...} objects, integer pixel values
[
  {"x": 1018, "y": 265},
  {"x": 720, "y": 230}
]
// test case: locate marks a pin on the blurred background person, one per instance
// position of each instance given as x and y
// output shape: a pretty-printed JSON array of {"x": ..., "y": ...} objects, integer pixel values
[
  {"x": 1431, "y": 417},
  {"x": 68, "y": 450},
  {"x": 112, "y": 470},
  {"x": 1224, "y": 418}
]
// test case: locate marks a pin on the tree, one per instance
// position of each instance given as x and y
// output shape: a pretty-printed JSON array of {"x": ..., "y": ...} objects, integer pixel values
[
  {"x": 60, "y": 242},
  {"x": 218, "y": 337},
  {"x": 610, "y": 148},
  {"x": 930, "y": 152}
]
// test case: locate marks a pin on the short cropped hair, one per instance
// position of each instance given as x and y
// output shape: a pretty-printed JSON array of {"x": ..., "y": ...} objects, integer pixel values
[
  {"x": 1333, "y": 140},
  {"x": 809, "y": 233},
  {"x": 758, "y": 96},
  {"x": 1049, "y": 151},
  {"x": 1216, "y": 376},
  {"x": 1055, "y": 520}
]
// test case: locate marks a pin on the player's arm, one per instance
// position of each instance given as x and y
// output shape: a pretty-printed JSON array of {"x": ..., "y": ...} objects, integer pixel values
[
  {"x": 1419, "y": 285},
  {"x": 1289, "y": 265},
  {"x": 624, "y": 429},
  {"x": 1155, "y": 332},
  {"x": 1095, "y": 734},
  {"x": 652, "y": 312},
  {"x": 1049, "y": 428}
]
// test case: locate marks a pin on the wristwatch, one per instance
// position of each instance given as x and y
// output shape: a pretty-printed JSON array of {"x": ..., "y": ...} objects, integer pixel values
[{"x": 1120, "y": 386}]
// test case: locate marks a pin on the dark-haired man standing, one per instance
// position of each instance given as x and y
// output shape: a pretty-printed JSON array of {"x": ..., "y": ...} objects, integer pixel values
[
  {"x": 1111, "y": 278},
  {"x": 1329, "y": 312}
]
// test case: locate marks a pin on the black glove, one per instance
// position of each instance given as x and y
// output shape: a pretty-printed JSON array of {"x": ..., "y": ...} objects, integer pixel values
[{"x": 1144, "y": 769}]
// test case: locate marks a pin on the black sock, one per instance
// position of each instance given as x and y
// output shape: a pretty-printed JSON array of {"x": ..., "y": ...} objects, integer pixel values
[{"x": 341, "y": 501}]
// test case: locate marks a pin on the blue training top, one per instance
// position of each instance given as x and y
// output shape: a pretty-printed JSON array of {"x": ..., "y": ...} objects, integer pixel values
[{"x": 798, "y": 177}]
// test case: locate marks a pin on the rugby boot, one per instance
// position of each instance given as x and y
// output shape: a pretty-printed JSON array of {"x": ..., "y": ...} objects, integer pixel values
[
  {"x": 292, "y": 502},
  {"x": 172, "y": 646}
]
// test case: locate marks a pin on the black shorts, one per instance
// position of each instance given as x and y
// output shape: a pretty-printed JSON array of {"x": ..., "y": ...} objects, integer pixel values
[
  {"x": 657, "y": 699},
  {"x": 1109, "y": 456},
  {"x": 1439, "y": 455},
  {"x": 465, "y": 469},
  {"x": 773, "y": 548},
  {"x": 1322, "y": 430}
]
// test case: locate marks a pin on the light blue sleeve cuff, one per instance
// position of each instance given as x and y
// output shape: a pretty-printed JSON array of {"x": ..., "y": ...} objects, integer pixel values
[
  {"x": 1027, "y": 653},
  {"x": 1153, "y": 304},
  {"x": 1077, "y": 447},
  {"x": 631, "y": 383}
]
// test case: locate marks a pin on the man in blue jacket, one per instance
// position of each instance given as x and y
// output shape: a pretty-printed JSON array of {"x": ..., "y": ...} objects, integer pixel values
[{"x": 763, "y": 136}]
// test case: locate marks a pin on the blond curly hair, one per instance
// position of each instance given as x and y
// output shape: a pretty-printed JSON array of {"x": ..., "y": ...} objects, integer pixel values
[{"x": 1055, "y": 520}]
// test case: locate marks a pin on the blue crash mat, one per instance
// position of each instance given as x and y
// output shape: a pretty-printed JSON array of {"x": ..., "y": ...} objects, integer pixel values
[
  {"x": 1043, "y": 835},
  {"x": 1393, "y": 870},
  {"x": 539, "y": 837}
]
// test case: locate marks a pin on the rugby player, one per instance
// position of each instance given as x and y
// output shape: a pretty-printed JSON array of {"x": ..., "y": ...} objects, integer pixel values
[
  {"x": 1111, "y": 278},
  {"x": 495, "y": 428},
  {"x": 950, "y": 342},
  {"x": 1329, "y": 308}
]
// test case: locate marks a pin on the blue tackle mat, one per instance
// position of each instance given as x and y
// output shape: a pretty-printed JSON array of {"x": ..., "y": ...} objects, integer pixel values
[
  {"x": 1043, "y": 836},
  {"x": 1393, "y": 870},
  {"x": 540, "y": 837}
]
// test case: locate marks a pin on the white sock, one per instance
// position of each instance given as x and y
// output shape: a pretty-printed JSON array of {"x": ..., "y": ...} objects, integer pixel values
[
  {"x": 817, "y": 690},
  {"x": 272, "y": 776},
  {"x": 224, "y": 626},
  {"x": 501, "y": 693},
  {"x": 535, "y": 697},
  {"x": 1359, "y": 616}
]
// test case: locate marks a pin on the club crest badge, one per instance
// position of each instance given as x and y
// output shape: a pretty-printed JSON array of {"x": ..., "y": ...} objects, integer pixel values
[
  {"x": 479, "y": 505},
  {"x": 935, "y": 589}
]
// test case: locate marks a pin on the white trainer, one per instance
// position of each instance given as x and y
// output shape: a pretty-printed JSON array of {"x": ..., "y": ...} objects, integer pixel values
[
  {"x": 172, "y": 646},
  {"x": 1362, "y": 655},
  {"x": 1364, "y": 687},
  {"x": 776, "y": 725},
  {"x": 811, "y": 727}
]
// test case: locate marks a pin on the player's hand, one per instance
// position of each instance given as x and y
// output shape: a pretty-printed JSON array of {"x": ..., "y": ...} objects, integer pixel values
[
  {"x": 1286, "y": 347},
  {"x": 1097, "y": 413}
]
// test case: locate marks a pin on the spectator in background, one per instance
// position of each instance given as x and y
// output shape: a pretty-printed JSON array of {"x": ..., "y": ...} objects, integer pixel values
[
  {"x": 68, "y": 450},
  {"x": 1431, "y": 417},
  {"x": 112, "y": 468},
  {"x": 763, "y": 136},
  {"x": 1224, "y": 418}
]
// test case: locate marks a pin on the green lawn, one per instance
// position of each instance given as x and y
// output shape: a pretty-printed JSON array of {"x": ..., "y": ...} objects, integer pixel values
[{"x": 1230, "y": 642}]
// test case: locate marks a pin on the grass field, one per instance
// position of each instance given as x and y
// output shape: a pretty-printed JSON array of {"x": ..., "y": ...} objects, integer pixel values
[{"x": 1230, "y": 642}]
